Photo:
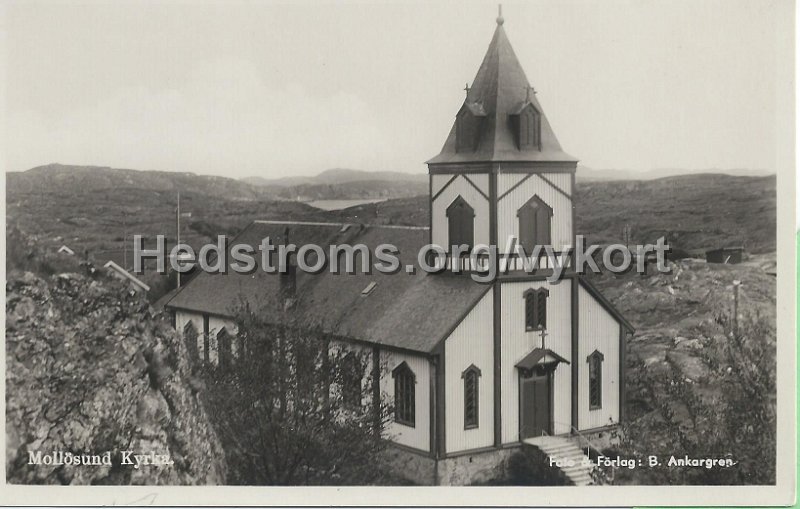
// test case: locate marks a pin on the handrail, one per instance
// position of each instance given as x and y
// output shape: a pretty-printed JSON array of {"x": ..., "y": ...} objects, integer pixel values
[
  {"x": 589, "y": 445},
  {"x": 597, "y": 472}
]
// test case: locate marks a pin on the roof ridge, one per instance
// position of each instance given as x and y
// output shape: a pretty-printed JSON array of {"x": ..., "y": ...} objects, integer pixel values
[{"x": 318, "y": 223}]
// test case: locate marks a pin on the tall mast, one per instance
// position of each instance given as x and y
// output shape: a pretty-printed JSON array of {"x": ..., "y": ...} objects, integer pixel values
[{"x": 178, "y": 236}]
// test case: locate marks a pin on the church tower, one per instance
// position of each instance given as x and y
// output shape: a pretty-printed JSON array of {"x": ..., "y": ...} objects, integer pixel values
[
  {"x": 502, "y": 171},
  {"x": 502, "y": 176}
]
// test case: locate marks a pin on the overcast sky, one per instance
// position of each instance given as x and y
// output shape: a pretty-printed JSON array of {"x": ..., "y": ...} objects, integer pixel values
[{"x": 270, "y": 89}]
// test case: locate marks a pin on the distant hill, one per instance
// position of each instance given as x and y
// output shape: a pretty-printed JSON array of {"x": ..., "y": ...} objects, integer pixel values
[
  {"x": 81, "y": 179},
  {"x": 588, "y": 174},
  {"x": 344, "y": 184},
  {"x": 361, "y": 189},
  {"x": 339, "y": 176}
]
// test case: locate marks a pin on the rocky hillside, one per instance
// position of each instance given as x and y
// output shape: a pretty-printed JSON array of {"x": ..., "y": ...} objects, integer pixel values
[
  {"x": 90, "y": 369},
  {"x": 700, "y": 211},
  {"x": 680, "y": 340}
]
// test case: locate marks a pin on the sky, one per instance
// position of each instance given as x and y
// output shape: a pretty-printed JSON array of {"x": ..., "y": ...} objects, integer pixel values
[{"x": 278, "y": 89}]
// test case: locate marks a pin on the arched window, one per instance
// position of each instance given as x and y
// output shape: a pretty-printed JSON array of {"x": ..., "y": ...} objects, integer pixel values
[
  {"x": 404, "y": 397},
  {"x": 595, "y": 361},
  {"x": 534, "y": 224},
  {"x": 352, "y": 373},
  {"x": 471, "y": 376},
  {"x": 536, "y": 308},
  {"x": 190, "y": 339},
  {"x": 460, "y": 223},
  {"x": 224, "y": 348}
]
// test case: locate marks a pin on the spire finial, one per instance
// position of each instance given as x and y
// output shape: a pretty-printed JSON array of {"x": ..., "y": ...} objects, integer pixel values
[
  {"x": 500, "y": 19},
  {"x": 466, "y": 88}
]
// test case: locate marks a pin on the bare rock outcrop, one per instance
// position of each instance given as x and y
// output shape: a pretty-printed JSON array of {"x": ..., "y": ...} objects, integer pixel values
[{"x": 93, "y": 375}]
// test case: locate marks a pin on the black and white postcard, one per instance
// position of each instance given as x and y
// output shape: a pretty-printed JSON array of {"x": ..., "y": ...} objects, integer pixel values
[{"x": 332, "y": 253}]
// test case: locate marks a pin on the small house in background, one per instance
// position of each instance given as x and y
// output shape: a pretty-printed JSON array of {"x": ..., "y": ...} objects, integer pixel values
[
  {"x": 120, "y": 273},
  {"x": 725, "y": 255},
  {"x": 66, "y": 250}
]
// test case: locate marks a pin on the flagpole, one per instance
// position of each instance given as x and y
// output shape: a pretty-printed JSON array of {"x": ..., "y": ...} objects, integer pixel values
[{"x": 179, "y": 232}]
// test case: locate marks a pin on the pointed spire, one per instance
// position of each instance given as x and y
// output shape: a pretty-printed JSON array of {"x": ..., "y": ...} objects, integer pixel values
[{"x": 500, "y": 91}]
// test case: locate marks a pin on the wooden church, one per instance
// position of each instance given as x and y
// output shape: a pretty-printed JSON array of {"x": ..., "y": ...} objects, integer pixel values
[{"x": 474, "y": 370}]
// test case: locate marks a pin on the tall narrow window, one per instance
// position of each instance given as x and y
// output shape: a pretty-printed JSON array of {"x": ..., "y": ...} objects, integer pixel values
[
  {"x": 471, "y": 376},
  {"x": 224, "y": 348},
  {"x": 190, "y": 338},
  {"x": 404, "y": 398},
  {"x": 595, "y": 361},
  {"x": 352, "y": 373},
  {"x": 536, "y": 308},
  {"x": 534, "y": 224},
  {"x": 460, "y": 223},
  {"x": 206, "y": 340}
]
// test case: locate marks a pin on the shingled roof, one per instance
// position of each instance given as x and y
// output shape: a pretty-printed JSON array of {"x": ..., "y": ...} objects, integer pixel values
[
  {"x": 395, "y": 313},
  {"x": 500, "y": 90}
]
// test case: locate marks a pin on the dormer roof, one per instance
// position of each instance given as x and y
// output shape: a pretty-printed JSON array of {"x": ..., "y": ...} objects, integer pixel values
[{"x": 499, "y": 91}]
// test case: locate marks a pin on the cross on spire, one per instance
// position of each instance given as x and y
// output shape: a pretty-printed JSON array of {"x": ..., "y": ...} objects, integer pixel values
[
  {"x": 543, "y": 334},
  {"x": 466, "y": 88},
  {"x": 528, "y": 90}
]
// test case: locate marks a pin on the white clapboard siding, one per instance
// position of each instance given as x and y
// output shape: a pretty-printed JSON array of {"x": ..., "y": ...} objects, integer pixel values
[
  {"x": 509, "y": 205},
  {"x": 517, "y": 343},
  {"x": 598, "y": 331},
  {"x": 470, "y": 343},
  {"x": 460, "y": 186},
  {"x": 418, "y": 436}
]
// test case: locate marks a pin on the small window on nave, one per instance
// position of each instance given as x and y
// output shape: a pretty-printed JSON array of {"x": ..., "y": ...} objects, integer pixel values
[
  {"x": 404, "y": 395},
  {"x": 471, "y": 377},
  {"x": 595, "y": 361}
]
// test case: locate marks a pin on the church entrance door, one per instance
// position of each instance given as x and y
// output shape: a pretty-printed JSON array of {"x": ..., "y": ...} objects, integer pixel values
[{"x": 536, "y": 403}]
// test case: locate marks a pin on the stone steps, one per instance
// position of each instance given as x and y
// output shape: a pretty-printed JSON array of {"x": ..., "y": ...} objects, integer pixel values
[{"x": 563, "y": 451}]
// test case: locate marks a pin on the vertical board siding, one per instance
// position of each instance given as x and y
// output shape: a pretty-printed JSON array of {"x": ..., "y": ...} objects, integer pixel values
[
  {"x": 507, "y": 222},
  {"x": 508, "y": 180},
  {"x": 598, "y": 331},
  {"x": 517, "y": 343},
  {"x": 470, "y": 343},
  {"x": 481, "y": 181},
  {"x": 417, "y": 437},
  {"x": 478, "y": 202},
  {"x": 438, "y": 181},
  {"x": 562, "y": 180}
]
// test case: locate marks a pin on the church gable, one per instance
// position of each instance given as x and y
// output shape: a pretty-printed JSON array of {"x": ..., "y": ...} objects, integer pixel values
[
  {"x": 466, "y": 190},
  {"x": 518, "y": 210}
]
